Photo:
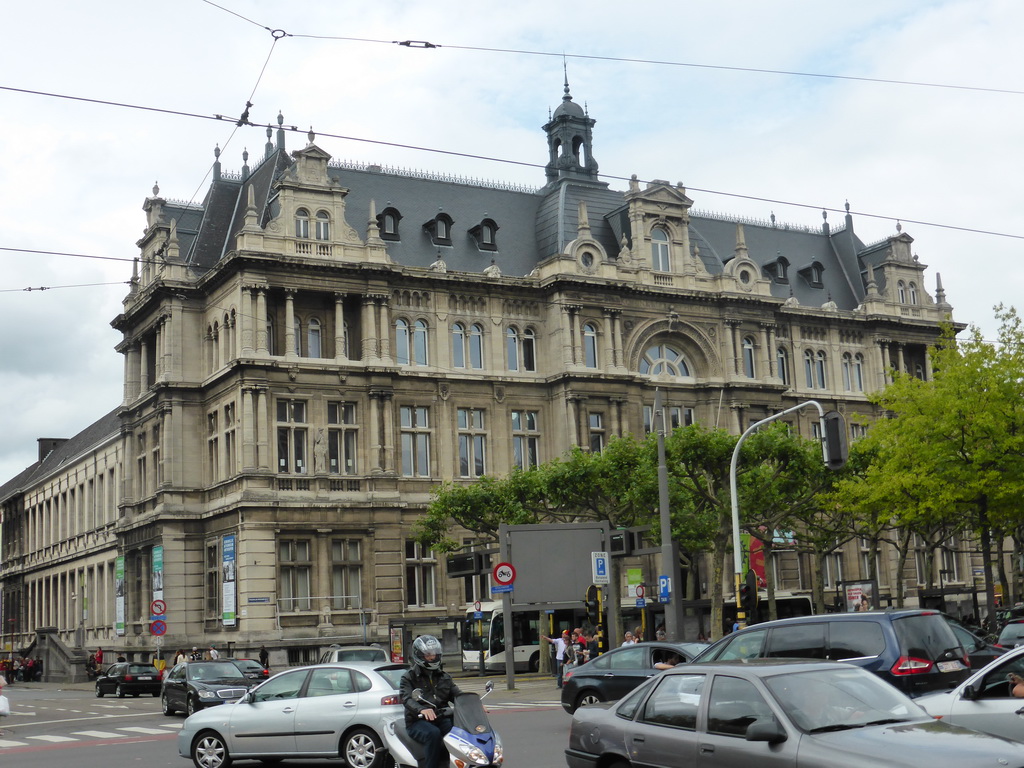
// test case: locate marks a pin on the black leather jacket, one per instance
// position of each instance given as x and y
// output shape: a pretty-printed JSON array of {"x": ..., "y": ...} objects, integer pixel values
[{"x": 437, "y": 686}]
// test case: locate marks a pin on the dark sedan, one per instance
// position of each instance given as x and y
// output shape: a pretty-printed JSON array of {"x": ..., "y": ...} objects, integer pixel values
[
  {"x": 252, "y": 669},
  {"x": 774, "y": 713},
  {"x": 127, "y": 679},
  {"x": 614, "y": 674},
  {"x": 196, "y": 685}
]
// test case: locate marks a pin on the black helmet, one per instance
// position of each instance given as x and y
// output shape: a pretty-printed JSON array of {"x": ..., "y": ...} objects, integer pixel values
[{"x": 423, "y": 646}]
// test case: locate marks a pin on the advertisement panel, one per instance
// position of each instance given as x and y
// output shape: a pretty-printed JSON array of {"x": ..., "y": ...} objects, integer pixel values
[
  {"x": 158, "y": 573},
  {"x": 228, "y": 593},
  {"x": 119, "y": 587}
]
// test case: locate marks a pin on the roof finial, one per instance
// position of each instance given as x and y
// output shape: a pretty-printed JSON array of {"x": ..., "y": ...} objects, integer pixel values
[
  {"x": 311, "y": 136},
  {"x": 899, "y": 227},
  {"x": 565, "y": 70},
  {"x": 156, "y": 189}
]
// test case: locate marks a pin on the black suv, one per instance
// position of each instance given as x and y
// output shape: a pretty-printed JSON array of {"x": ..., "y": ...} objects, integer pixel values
[{"x": 915, "y": 650}]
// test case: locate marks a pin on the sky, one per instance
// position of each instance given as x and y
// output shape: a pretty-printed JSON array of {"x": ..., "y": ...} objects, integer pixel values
[{"x": 758, "y": 108}]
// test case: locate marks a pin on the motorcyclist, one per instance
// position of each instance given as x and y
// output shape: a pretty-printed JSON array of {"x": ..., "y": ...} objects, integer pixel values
[{"x": 423, "y": 719}]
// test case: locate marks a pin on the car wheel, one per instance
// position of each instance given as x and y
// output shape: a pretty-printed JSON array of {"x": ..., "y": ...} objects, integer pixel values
[
  {"x": 191, "y": 705},
  {"x": 535, "y": 662},
  {"x": 587, "y": 698},
  {"x": 99, "y": 692},
  {"x": 210, "y": 751},
  {"x": 165, "y": 704},
  {"x": 119, "y": 692},
  {"x": 362, "y": 748}
]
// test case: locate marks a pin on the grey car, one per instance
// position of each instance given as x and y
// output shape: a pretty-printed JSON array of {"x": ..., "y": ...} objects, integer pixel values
[
  {"x": 322, "y": 711},
  {"x": 773, "y": 713}
]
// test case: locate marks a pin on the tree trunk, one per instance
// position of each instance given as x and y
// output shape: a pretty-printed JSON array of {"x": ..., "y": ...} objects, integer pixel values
[
  {"x": 986, "y": 555},
  {"x": 717, "y": 574}
]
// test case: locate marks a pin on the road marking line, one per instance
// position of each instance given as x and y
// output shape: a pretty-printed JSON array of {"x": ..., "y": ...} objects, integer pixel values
[
  {"x": 7, "y": 744},
  {"x": 141, "y": 729},
  {"x": 101, "y": 734},
  {"x": 54, "y": 739}
]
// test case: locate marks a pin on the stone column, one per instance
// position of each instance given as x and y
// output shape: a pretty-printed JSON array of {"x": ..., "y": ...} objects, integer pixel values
[
  {"x": 578, "y": 355},
  {"x": 766, "y": 351},
  {"x": 773, "y": 353},
  {"x": 132, "y": 363},
  {"x": 620, "y": 357},
  {"x": 389, "y": 433},
  {"x": 158, "y": 351},
  {"x": 247, "y": 318},
  {"x": 572, "y": 416},
  {"x": 927, "y": 365},
  {"x": 373, "y": 439},
  {"x": 384, "y": 335},
  {"x": 607, "y": 343},
  {"x": 568, "y": 346},
  {"x": 262, "y": 430},
  {"x": 369, "y": 330},
  {"x": 289, "y": 324},
  {"x": 901, "y": 360},
  {"x": 339, "y": 328},
  {"x": 248, "y": 430},
  {"x": 261, "y": 322},
  {"x": 883, "y": 350},
  {"x": 143, "y": 367},
  {"x": 734, "y": 352}
]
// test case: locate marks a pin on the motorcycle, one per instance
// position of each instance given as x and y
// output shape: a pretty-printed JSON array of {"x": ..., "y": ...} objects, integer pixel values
[{"x": 471, "y": 742}]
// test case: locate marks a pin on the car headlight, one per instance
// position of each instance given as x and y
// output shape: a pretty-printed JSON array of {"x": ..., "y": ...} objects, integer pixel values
[{"x": 208, "y": 695}]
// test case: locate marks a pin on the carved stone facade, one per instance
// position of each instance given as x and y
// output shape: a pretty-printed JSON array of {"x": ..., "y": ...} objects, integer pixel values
[{"x": 302, "y": 371}]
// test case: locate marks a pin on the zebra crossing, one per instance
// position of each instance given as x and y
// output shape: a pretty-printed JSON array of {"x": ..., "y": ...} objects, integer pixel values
[{"x": 10, "y": 740}]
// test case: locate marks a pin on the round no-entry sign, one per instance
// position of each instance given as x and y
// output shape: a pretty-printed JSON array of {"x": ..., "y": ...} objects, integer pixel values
[
  {"x": 640, "y": 590},
  {"x": 158, "y": 607},
  {"x": 504, "y": 573}
]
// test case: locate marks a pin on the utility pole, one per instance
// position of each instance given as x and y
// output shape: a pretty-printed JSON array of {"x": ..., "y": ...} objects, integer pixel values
[{"x": 669, "y": 549}]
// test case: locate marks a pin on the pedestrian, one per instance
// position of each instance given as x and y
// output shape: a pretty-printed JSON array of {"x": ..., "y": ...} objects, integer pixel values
[
  {"x": 423, "y": 718},
  {"x": 180, "y": 657},
  {"x": 214, "y": 653},
  {"x": 561, "y": 643},
  {"x": 629, "y": 639},
  {"x": 196, "y": 655},
  {"x": 5, "y": 707},
  {"x": 99, "y": 657},
  {"x": 264, "y": 657}
]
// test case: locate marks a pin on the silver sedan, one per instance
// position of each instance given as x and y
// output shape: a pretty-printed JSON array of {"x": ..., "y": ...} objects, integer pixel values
[
  {"x": 325, "y": 711},
  {"x": 774, "y": 714},
  {"x": 984, "y": 701}
]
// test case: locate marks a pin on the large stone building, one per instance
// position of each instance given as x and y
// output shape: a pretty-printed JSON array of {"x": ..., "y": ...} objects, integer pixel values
[{"x": 316, "y": 346}]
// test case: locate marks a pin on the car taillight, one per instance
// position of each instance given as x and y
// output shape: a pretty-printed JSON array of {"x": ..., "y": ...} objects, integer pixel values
[
  {"x": 908, "y": 665},
  {"x": 128, "y": 678},
  {"x": 391, "y": 701},
  {"x": 566, "y": 675}
]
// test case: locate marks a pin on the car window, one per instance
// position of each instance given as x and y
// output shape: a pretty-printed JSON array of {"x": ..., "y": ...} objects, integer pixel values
[
  {"x": 747, "y": 645},
  {"x": 967, "y": 640},
  {"x": 629, "y": 658},
  {"x": 330, "y": 682},
  {"x": 1011, "y": 633},
  {"x": 142, "y": 669},
  {"x": 925, "y": 636},
  {"x": 631, "y": 702},
  {"x": 178, "y": 673},
  {"x": 361, "y": 682},
  {"x": 675, "y": 702},
  {"x": 733, "y": 705},
  {"x": 284, "y": 686},
  {"x": 392, "y": 674},
  {"x": 805, "y": 641},
  {"x": 855, "y": 640}
]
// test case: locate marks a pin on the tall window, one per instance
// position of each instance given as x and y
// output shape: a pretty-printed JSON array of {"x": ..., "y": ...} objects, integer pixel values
[
  {"x": 832, "y": 569},
  {"x": 476, "y": 346},
  {"x": 323, "y": 226},
  {"x": 589, "y": 345},
  {"x": 663, "y": 358},
  {"x": 212, "y": 580},
  {"x": 295, "y": 566},
  {"x": 675, "y": 417},
  {"x": 141, "y": 481},
  {"x": 748, "y": 357},
  {"x": 302, "y": 223},
  {"x": 459, "y": 345},
  {"x": 525, "y": 439},
  {"x": 472, "y": 442},
  {"x": 411, "y": 342},
  {"x": 415, "y": 425},
  {"x": 809, "y": 368},
  {"x": 346, "y": 574},
  {"x": 783, "y": 363},
  {"x": 596, "y": 423},
  {"x": 313, "y": 336},
  {"x": 230, "y": 459},
  {"x": 342, "y": 433},
  {"x": 660, "y": 261},
  {"x": 853, "y": 372},
  {"x": 468, "y": 346},
  {"x": 913, "y": 293},
  {"x": 819, "y": 370},
  {"x": 291, "y": 436},
  {"x": 521, "y": 349},
  {"x": 901, "y": 289},
  {"x": 420, "y": 572}
]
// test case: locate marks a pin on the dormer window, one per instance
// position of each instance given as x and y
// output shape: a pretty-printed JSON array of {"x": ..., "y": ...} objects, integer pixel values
[
  {"x": 387, "y": 223},
  {"x": 912, "y": 293},
  {"x": 302, "y": 223},
  {"x": 660, "y": 260},
  {"x": 323, "y": 225},
  {"x": 812, "y": 274},
  {"x": 485, "y": 234},
  {"x": 440, "y": 229},
  {"x": 901, "y": 289},
  {"x": 778, "y": 270}
]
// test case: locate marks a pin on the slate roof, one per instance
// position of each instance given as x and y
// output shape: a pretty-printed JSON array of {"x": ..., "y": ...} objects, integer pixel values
[{"x": 96, "y": 433}]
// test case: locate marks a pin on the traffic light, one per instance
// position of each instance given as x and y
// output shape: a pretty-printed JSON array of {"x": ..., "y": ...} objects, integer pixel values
[
  {"x": 748, "y": 595},
  {"x": 834, "y": 446},
  {"x": 593, "y": 605}
]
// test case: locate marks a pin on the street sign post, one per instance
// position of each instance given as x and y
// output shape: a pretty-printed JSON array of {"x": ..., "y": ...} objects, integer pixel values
[
  {"x": 504, "y": 574},
  {"x": 599, "y": 564}
]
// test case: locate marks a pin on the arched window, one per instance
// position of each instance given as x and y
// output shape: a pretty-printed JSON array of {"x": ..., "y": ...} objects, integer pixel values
[
  {"x": 313, "y": 347},
  {"x": 748, "y": 357},
  {"x": 521, "y": 349},
  {"x": 476, "y": 346},
  {"x": 387, "y": 222},
  {"x": 589, "y": 345},
  {"x": 783, "y": 361},
  {"x": 809, "y": 368},
  {"x": 402, "y": 341},
  {"x": 819, "y": 370},
  {"x": 419, "y": 343},
  {"x": 660, "y": 261},
  {"x": 512, "y": 351},
  {"x": 847, "y": 371},
  {"x": 529, "y": 350},
  {"x": 663, "y": 359},
  {"x": 302, "y": 223},
  {"x": 459, "y": 345},
  {"x": 913, "y": 293},
  {"x": 323, "y": 226},
  {"x": 858, "y": 372},
  {"x": 901, "y": 289}
]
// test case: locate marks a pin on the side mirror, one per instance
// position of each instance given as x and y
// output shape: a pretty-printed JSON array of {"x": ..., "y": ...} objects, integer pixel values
[
  {"x": 766, "y": 730},
  {"x": 417, "y": 693},
  {"x": 489, "y": 686},
  {"x": 968, "y": 693}
]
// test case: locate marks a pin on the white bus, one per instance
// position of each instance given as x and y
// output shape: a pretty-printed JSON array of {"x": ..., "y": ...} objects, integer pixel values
[{"x": 488, "y": 632}]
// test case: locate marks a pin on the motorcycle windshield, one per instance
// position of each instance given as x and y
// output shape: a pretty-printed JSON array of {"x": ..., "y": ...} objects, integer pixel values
[{"x": 470, "y": 715}]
